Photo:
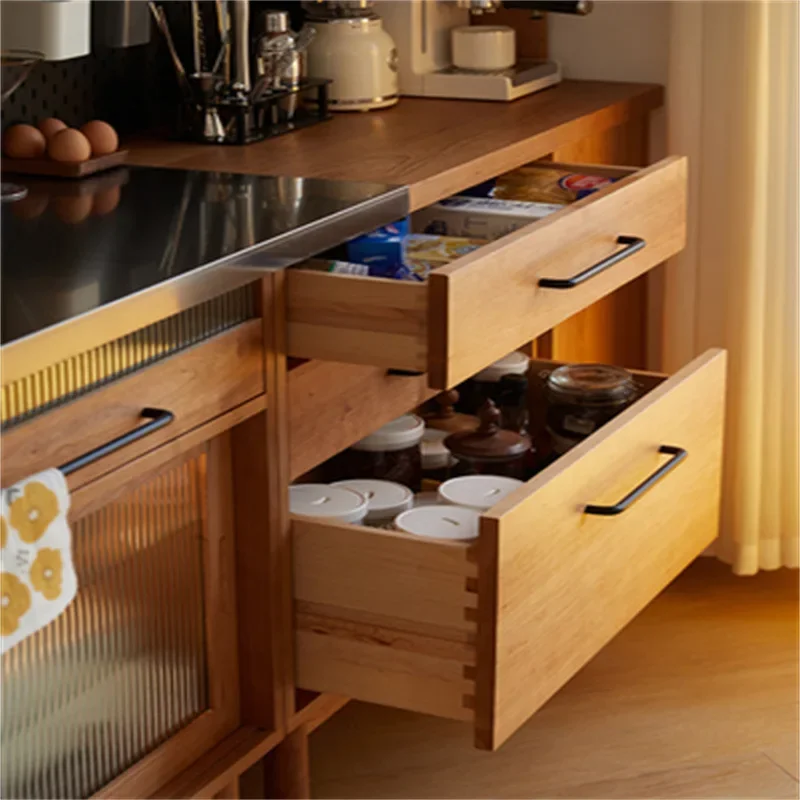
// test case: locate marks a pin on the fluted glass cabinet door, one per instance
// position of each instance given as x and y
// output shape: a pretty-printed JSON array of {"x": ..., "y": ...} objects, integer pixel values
[{"x": 128, "y": 669}]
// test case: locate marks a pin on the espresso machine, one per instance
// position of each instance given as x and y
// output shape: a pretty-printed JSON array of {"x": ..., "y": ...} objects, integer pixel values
[{"x": 441, "y": 55}]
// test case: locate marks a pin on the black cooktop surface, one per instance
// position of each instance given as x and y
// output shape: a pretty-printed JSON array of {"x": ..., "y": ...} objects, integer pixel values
[{"x": 72, "y": 246}]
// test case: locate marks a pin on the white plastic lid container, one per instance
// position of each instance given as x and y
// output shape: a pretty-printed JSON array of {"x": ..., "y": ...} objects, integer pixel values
[
  {"x": 385, "y": 499},
  {"x": 400, "y": 433},
  {"x": 515, "y": 363},
  {"x": 333, "y": 503},
  {"x": 440, "y": 522},
  {"x": 480, "y": 492},
  {"x": 434, "y": 454}
]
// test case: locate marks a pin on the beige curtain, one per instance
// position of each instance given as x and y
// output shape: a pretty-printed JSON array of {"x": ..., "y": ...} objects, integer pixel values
[{"x": 733, "y": 109}]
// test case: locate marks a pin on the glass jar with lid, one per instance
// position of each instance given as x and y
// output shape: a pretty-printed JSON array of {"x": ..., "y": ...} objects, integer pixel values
[
  {"x": 582, "y": 397},
  {"x": 391, "y": 453},
  {"x": 486, "y": 383}
]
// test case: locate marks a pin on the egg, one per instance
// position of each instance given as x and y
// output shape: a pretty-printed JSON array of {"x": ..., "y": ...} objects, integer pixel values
[
  {"x": 69, "y": 145},
  {"x": 73, "y": 210},
  {"x": 24, "y": 141},
  {"x": 106, "y": 201},
  {"x": 50, "y": 126},
  {"x": 102, "y": 137}
]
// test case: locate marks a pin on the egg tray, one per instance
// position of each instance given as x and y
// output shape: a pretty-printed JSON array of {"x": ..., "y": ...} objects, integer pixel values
[{"x": 62, "y": 169}]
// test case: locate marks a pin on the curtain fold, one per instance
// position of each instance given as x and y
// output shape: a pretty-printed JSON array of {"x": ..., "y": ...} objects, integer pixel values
[{"x": 733, "y": 109}]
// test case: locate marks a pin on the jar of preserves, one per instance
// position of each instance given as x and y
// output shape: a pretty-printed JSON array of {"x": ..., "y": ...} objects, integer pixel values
[
  {"x": 392, "y": 453},
  {"x": 582, "y": 397},
  {"x": 486, "y": 383},
  {"x": 489, "y": 450}
]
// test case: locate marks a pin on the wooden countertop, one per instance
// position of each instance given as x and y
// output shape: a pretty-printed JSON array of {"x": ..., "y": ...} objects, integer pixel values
[{"x": 436, "y": 147}]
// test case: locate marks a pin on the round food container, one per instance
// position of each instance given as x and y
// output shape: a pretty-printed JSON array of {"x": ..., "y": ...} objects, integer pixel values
[
  {"x": 385, "y": 499},
  {"x": 480, "y": 492},
  {"x": 486, "y": 383},
  {"x": 582, "y": 397},
  {"x": 392, "y": 453},
  {"x": 437, "y": 460},
  {"x": 483, "y": 48},
  {"x": 332, "y": 503},
  {"x": 440, "y": 522}
]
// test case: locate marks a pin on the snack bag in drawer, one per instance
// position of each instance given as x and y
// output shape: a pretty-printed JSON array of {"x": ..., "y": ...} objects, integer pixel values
[
  {"x": 548, "y": 185},
  {"x": 425, "y": 252}
]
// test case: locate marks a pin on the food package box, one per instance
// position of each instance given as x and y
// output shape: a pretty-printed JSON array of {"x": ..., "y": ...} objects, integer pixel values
[
  {"x": 382, "y": 248},
  {"x": 425, "y": 252},
  {"x": 543, "y": 184},
  {"x": 479, "y": 217}
]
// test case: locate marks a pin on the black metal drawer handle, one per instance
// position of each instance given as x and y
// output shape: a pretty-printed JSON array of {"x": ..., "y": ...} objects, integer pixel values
[
  {"x": 677, "y": 453},
  {"x": 632, "y": 244},
  {"x": 158, "y": 417}
]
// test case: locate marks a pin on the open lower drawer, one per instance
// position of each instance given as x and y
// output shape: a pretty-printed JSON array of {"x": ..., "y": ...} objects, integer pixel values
[
  {"x": 487, "y": 631},
  {"x": 480, "y": 307}
]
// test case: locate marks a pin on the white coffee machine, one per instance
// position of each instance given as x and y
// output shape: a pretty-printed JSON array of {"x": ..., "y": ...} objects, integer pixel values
[{"x": 441, "y": 55}]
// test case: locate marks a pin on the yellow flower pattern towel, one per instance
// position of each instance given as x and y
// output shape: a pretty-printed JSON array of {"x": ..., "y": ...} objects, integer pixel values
[{"x": 37, "y": 577}]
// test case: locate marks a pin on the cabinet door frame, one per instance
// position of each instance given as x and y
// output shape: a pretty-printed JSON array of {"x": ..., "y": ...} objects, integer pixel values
[{"x": 221, "y": 718}]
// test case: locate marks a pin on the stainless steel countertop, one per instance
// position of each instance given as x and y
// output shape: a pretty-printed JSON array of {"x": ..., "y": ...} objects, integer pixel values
[{"x": 139, "y": 242}]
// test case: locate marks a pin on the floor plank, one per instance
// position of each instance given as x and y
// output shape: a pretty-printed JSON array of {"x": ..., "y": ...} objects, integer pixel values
[{"x": 698, "y": 697}]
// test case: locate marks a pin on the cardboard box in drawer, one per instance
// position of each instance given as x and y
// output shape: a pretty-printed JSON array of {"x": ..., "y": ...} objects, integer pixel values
[{"x": 479, "y": 217}]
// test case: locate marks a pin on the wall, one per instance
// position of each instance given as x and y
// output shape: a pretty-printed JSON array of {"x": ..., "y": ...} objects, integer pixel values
[{"x": 621, "y": 40}]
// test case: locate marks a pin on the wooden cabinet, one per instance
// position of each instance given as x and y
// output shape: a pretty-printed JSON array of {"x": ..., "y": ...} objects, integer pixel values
[
  {"x": 138, "y": 677},
  {"x": 488, "y": 631},
  {"x": 475, "y": 310}
]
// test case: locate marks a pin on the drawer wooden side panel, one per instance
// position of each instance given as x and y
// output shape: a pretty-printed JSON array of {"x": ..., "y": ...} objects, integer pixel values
[
  {"x": 488, "y": 303},
  {"x": 556, "y": 584},
  {"x": 384, "y": 617},
  {"x": 196, "y": 385},
  {"x": 357, "y": 320}
]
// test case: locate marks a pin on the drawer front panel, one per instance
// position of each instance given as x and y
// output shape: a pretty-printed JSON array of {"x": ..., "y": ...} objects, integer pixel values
[
  {"x": 384, "y": 617},
  {"x": 482, "y": 306},
  {"x": 492, "y": 301},
  {"x": 195, "y": 385},
  {"x": 555, "y": 583}
]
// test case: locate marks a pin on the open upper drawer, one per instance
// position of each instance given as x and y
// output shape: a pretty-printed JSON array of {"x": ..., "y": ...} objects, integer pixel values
[
  {"x": 487, "y": 631},
  {"x": 480, "y": 307}
]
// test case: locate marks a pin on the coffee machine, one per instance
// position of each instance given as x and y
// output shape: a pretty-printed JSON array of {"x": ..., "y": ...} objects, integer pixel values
[{"x": 441, "y": 55}]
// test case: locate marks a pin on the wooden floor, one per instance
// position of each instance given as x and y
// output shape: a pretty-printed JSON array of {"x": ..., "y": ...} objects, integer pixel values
[{"x": 697, "y": 698}]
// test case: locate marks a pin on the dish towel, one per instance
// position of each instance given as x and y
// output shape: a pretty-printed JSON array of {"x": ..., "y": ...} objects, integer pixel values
[{"x": 37, "y": 576}]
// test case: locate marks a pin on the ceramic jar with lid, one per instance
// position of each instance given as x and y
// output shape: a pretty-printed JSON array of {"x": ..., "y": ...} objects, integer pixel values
[
  {"x": 385, "y": 499},
  {"x": 486, "y": 383},
  {"x": 329, "y": 503},
  {"x": 489, "y": 450},
  {"x": 440, "y": 522},
  {"x": 392, "y": 453},
  {"x": 480, "y": 492},
  {"x": 443, "y": 416},
  {"x": 582, "y": 397}
]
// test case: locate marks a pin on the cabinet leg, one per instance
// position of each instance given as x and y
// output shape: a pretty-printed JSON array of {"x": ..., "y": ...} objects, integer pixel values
[{"x": 286, "y": 773}]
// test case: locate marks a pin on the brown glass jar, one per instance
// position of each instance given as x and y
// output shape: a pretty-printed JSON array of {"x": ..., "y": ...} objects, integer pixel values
[
  {"x": 489, "y": 450},
  {"x": 392, "y": 453},
  {"x": 582, "y": 397}
]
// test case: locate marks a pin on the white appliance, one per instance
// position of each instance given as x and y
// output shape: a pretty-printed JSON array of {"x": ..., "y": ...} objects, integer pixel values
[
  {"x": 351, "y": 48},
  {"x": 58, "y": 29},
  {"x": 428, "y": 34}
]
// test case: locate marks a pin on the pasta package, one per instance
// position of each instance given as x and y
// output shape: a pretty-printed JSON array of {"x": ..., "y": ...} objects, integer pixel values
[{"x": 542, "y": 184}]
